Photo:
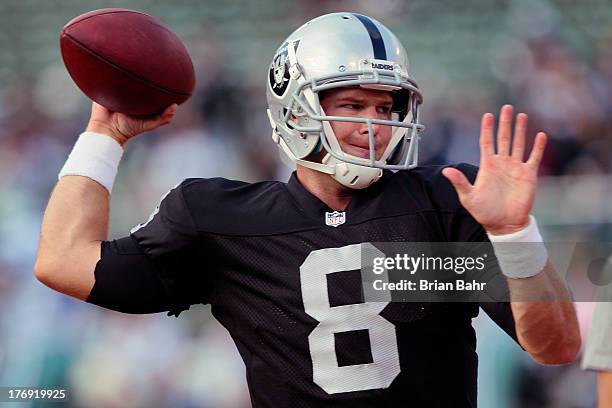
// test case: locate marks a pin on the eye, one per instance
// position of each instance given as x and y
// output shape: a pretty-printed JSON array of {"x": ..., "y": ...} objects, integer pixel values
[
  {"x": 351, "y": 106},
  {"x": 386, "y": 110}
]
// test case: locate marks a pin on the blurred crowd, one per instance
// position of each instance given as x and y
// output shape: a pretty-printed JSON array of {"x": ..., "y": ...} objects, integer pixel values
[{"x": 535, "y": 61}]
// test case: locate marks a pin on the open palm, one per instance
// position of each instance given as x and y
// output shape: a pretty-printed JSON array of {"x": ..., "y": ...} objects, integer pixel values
[{"x": 503, "y": 193}]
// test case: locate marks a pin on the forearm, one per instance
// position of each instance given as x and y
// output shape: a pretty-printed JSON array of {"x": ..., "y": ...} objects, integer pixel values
[
  {"x": 76, "y": 218},
  {"x": 74, "y": 223},
  {"x": 545, "y": 318}
]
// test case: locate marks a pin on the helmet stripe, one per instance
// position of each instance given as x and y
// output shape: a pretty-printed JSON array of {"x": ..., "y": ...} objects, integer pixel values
[{"x": 377, "y": 41}]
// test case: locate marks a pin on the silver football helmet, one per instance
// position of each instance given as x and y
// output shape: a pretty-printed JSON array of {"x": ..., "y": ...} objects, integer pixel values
[{"x": 340, "y": 50}]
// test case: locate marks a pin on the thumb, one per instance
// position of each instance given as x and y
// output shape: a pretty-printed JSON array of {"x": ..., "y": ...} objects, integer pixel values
[
  {"x": 459, "y": 181},
  {"x": 99, "y": 112}
]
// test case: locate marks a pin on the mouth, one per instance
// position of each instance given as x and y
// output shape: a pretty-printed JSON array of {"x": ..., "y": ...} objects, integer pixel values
[{"x": 358, "y": 151}]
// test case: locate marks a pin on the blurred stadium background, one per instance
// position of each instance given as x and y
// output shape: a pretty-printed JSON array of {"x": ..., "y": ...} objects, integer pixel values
[{"x": 550, "y": 58}]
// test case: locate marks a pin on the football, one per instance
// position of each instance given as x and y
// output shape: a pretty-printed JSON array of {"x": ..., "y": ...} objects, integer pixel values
[{"x": 127, "y": 61}]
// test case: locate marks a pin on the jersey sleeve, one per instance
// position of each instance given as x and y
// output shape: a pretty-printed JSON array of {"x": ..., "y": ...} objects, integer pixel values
[
  {"x": 126, "y": 281},
  {"x": 165, "y": 255}
]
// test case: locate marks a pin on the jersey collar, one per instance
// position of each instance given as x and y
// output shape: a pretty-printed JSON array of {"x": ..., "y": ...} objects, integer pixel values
[{"x": 313, "y": 205}]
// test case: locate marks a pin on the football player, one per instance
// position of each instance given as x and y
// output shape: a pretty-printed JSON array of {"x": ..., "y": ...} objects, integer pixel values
[{"x": 276, "y": 260}]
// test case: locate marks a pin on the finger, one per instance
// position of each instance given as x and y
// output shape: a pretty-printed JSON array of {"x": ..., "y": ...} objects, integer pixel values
[
  {"x": 486, "y": 135},
  {"x": 518, "y": 144},
  {"x": 459, "y": 181},
  {"x": 504, "y": 131},
  {"x": 162, "y": 119},
  {"x": 170, "y": 110},
  {"x": 535, "y": 158},
  {"x": 168, "y": 114}
]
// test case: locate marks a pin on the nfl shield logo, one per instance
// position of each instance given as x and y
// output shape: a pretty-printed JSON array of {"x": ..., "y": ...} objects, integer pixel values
[{"x": 334, "y": 219}]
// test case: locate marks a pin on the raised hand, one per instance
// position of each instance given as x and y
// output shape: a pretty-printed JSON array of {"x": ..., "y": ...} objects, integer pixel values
[
  {"x": 123, "y": 127},
  {"x": 504, "y": 191}
]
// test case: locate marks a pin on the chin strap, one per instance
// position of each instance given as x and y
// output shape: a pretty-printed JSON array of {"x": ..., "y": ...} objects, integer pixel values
[
  {"x": 352, "y": 175},
  {"x": 323, "y": 168},
  {"x": 348, "y": 174}
]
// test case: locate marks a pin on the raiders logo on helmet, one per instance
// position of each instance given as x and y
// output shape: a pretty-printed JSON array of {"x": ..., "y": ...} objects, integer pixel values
[{"x": 279, "y": 69}]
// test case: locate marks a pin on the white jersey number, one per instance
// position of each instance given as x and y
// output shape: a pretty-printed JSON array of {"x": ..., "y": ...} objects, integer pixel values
[{"x": 327, "y": 374}]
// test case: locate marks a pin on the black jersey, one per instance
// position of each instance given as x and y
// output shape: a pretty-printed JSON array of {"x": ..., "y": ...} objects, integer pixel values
[{"x": 281, "y": 272}]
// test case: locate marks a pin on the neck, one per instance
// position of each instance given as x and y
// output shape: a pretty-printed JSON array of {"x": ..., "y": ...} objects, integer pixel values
[{"x": 321, "y": 185}]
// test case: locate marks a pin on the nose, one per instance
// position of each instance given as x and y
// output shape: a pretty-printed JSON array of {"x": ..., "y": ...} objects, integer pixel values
[{"x": 370, "y": 112}]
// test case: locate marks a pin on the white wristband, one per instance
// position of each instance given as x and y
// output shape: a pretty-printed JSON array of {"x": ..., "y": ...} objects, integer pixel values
[
  {"x": 521, "y": 254},
  {"x": 96, "y": 156}
]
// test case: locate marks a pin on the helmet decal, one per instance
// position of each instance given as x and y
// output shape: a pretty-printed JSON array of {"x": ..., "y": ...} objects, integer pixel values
[{"x": 279, "y": 69}]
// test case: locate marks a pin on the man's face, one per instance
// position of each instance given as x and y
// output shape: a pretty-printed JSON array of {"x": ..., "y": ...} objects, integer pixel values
[{"x": 360, "y": 103}]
